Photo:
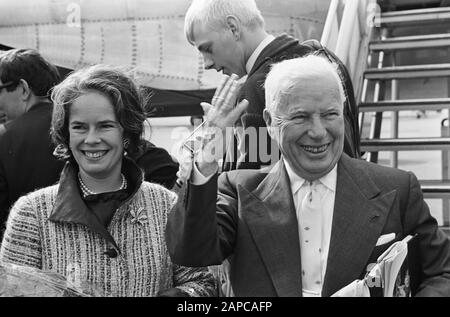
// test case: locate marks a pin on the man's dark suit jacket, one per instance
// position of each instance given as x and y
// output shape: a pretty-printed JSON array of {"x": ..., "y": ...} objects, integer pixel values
[
  {"x": 26, "y": 159},
  {"x": 282, "y": 48},
  {"x": 252, "y": 222}
]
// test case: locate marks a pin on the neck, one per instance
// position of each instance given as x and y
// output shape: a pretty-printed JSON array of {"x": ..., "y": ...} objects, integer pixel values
[
  {"x": 252, "y": 41},
  {"x": 34, "y": 100},
  {"x": 102, "y": 185}
]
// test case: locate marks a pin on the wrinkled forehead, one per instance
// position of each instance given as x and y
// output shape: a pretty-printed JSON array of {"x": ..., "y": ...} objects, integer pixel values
[{"x": 312, "y": 95}]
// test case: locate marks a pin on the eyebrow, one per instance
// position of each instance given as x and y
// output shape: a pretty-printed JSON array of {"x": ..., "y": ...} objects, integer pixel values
[
  {"x": 297, "y": 112},
  {"x": 303, "y": 112},
  {"x": 100, "y": 122}
]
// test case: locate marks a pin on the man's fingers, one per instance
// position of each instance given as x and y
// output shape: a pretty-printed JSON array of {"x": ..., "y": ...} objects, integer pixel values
[
  {"x": 206, "y": 107},
  {"x": 219, "y": 89},
  {"x": 224, "y": 93},
  {"x": 230, "y": 99},
  {"x": 242, "y": 106},
  {"x": 236, "y": 112}
]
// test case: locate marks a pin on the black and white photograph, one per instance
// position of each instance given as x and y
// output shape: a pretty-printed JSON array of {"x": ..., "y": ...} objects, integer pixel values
[{"x": 231, "y": 151}]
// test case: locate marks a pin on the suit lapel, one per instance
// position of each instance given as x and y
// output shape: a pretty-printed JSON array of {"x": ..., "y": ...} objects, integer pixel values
[
  {"x": 359, "y": 216},
  {"x": 270, "y": 215}
]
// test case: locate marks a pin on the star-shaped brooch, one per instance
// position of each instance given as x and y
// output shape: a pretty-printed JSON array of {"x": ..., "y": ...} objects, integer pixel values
[{"x": 139, "y": 216}]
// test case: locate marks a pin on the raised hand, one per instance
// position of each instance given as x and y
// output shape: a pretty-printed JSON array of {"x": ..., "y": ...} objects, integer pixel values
[{"x": 221, "y": 112}]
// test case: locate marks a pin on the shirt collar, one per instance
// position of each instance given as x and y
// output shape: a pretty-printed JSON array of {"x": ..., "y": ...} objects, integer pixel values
[
  {"x": 252, "y": 59},
  {"x": 71, "y": 208},
  {"x": 328, "y": 180}
]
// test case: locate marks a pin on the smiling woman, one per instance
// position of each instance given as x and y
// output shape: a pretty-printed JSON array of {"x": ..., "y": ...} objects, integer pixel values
[
  {"x": 96, "y": 140},
  {"x": 102, "y": 224}
]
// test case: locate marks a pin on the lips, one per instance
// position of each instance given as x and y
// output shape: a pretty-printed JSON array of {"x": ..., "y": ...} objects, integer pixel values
[
  {"x": 316, "y": 149},
  {"x": 94, "y": 154}
]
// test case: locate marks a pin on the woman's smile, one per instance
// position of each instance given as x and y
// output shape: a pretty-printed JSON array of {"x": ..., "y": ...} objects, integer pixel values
[{"x": 96, "y": 155}]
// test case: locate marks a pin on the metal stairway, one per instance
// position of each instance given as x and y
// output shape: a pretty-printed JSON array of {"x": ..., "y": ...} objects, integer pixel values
[{"x": 394, "y": 41}]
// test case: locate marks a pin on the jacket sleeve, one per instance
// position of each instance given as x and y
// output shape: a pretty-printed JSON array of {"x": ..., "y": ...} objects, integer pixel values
[
  {"x": 21, "y": 243},
  {"x": 201, "y": 228},
  {"x": 433, "y": 244},
  {"x": 194, "y": 282}
]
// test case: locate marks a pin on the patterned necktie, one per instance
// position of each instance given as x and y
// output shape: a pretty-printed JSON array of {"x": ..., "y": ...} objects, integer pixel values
[{"x": 310, "y": 219}]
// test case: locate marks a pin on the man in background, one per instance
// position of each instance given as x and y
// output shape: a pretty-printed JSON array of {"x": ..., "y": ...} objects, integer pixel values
[{"x": 26, "y": 160}]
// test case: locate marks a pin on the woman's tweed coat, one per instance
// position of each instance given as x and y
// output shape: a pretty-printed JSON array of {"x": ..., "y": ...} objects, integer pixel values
[{"x": 143, "y": 267}]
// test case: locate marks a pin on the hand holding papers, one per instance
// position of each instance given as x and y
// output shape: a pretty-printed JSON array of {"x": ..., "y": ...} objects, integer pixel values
[
  {"x": 389, "y": 277},
  {"x": 391, "y": 272},
  {"x": 357, "y": 288}
]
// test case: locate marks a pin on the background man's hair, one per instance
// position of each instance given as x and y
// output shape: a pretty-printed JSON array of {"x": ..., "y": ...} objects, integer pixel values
[
  {"x": 29, "y": 65},
  {"x": 213, "y": 13},
  {"x": 294, "y": 74}
]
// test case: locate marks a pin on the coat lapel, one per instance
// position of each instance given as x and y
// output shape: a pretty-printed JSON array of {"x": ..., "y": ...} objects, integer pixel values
[
  {"x": 271, "y": 218},
  {"x": 359, "y": 216},
  {"x": 70, "y": 207}
]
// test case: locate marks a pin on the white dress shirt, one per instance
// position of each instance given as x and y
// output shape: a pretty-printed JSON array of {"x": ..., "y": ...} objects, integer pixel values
[
  {"x": 252, "y": 59},
  {"x": 326, "y": 190}
]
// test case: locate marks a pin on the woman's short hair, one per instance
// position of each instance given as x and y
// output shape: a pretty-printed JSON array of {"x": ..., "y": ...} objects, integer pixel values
[
  {"x": 29, "y": 65},
  {"x": 213, "y": 13},
  {"x": 117, "y": 86},
  {"x": 294, "y": 75}
]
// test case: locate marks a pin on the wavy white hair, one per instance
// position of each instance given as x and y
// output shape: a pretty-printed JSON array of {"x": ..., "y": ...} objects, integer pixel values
[{"x": 295, "y": 74}]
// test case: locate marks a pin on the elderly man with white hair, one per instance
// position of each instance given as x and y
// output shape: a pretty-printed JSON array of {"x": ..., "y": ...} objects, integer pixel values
[
  {"x": 317, "y": 220},
  {"x": 231, "y": 36}
]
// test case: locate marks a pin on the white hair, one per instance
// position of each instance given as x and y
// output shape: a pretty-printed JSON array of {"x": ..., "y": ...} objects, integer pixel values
[
  {"x": 289, "y": 76},
  {"x": 213, "y": 13}
]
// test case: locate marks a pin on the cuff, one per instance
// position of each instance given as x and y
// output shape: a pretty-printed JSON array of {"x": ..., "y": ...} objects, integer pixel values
[{"x": 197, "y": 178}]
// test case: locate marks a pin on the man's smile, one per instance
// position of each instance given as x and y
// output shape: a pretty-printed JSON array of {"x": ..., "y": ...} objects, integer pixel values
[{"x": 316, "y": 149}]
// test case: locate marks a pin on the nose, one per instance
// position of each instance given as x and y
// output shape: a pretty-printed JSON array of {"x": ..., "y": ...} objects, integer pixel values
[
  {"x": 92, "y": 137},
  {"x": 317, "y": 129}
]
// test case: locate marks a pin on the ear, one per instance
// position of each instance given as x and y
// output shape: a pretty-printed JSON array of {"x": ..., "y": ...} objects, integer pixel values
[
  {"x": 234, "y": 26},
  {"x": 25, "y": 90},
  {"x": 268, "y": 119}
]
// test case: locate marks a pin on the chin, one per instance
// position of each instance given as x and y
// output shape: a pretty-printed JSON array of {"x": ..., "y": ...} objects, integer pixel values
[{"x": 94, "y": 172}]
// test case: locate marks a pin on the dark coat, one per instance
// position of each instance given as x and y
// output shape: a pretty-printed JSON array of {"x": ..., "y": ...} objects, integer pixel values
[
  {"x": 252, "y": 222},
  {"x": 282, "y": 48},
  {"x": 26, "y": 157},
  {"x": 158, "y": 166}
]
